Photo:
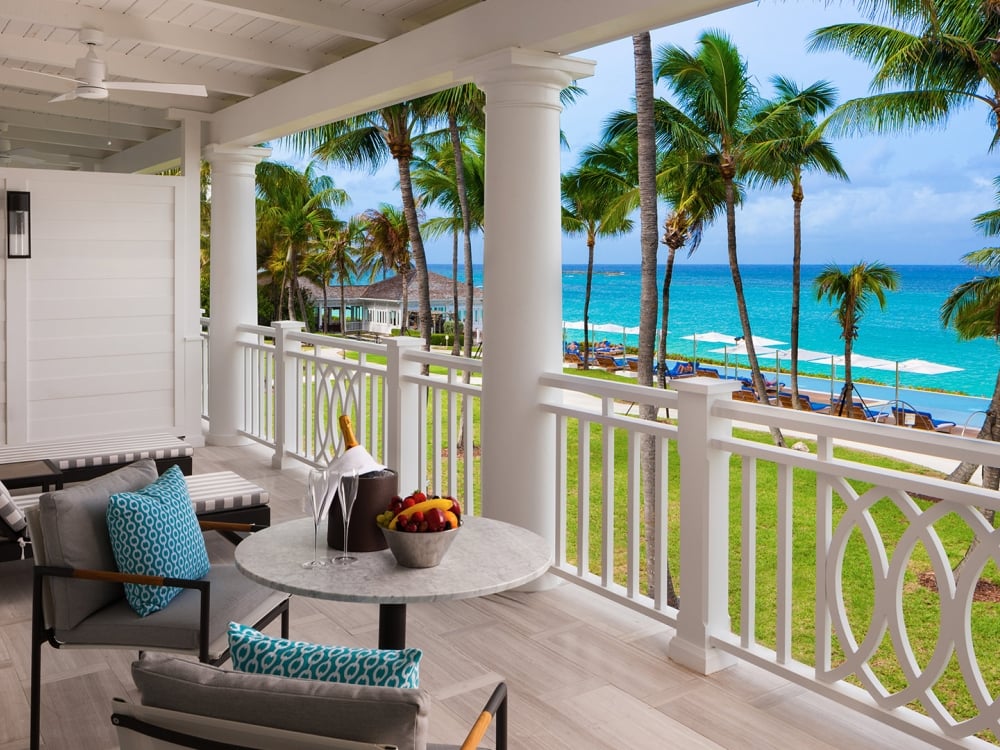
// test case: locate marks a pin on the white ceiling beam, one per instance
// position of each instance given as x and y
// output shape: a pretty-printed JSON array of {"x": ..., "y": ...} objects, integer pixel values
[
  {"x": 432, "y": 57},
  {"x": 198, "y": 41},
  {"x": 152, "y": 156},
  {"x": 60, "y": 138},
  {"x": 358, "y": 24},
  {"x": 132, "y": 66},
  {"x": 76, "y": 125},
  {"x": 71, "y": 153}
]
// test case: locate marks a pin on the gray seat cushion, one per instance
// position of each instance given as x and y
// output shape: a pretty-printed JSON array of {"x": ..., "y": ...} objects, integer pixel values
[
  {"x": 73, "y": 522},
  {"x": 234, "y": 597},
  {"x": 395, "y": 716}
]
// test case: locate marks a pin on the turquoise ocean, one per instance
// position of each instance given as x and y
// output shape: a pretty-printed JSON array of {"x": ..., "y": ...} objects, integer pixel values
[{"x": 702, "y": 299}]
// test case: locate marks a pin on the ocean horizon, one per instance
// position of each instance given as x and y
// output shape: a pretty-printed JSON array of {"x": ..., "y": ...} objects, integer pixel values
[{"x": 703, "y": 299}]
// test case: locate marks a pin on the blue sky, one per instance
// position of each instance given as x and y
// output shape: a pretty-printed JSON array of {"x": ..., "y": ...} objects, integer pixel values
[{"x": 910, "y": 198}]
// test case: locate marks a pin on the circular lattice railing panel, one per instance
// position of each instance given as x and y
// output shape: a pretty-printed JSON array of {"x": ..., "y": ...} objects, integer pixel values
[
  {"x": 889, "y": 568},
  {"x": 335, "y": 390}
]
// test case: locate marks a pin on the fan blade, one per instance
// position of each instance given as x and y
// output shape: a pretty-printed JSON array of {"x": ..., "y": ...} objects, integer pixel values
[
  {"x": 67, "y": 97},
  {"x": 50, "y": 75},
  {"x": 187, "y": 89}
]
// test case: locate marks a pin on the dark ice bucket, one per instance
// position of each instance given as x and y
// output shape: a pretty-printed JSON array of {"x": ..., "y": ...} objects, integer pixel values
[{"x": 375, "y": 490}]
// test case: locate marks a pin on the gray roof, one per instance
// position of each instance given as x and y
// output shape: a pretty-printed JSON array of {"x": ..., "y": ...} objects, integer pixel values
[{"x": 390, "y": 289}]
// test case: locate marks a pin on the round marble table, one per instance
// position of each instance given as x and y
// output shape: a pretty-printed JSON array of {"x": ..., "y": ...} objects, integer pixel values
[{"x": 487, "y": 556}]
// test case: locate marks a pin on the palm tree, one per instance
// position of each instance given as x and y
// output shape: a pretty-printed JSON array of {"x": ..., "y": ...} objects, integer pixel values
[
  {"x": 370, "y": 140},
  {"x": 295, "y": 209},
  {"x": 387, "y": 247},
  {"x": 941, "y": 53},
  {"x": 696, "y": 196},
  {"x": 693, "y": 190},
  {"x": 973, "y": 310},
  {"x": 463, "y": 107},
  {"x": 337, "y": 256},
  {"x": 800, "y": 150},
  {"x": 646, "y": 181},
  {"x": 585, "y": 211},
  {"x": 852, "y": 291},
  {"x": 434, "y": 174},
  {"x": 717, "y": 123}
]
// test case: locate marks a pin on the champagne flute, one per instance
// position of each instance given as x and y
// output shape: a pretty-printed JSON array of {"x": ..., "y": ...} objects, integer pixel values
[
  {"x": 348, "y": 493},
  {"x": 316, "y": 486}
]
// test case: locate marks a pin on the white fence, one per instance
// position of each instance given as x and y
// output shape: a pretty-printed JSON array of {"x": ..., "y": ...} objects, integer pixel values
[{"x": 761, "y": 542}]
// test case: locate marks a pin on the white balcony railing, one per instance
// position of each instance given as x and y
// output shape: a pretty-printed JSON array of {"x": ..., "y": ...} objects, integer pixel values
[{"x": 770, "y": 589}]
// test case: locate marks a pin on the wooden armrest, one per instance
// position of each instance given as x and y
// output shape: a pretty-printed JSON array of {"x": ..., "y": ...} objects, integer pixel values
[
  {"x": 114, "y": 576},
  {"x": 228, "y": 526},
  {"x": 495, "y": 706}
]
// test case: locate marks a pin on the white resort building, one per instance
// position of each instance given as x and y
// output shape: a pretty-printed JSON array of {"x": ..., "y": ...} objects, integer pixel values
[{"x": 377, "y": 308}]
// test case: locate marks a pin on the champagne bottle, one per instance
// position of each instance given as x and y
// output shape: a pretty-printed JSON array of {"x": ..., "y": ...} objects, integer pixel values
[{"x": 347, "y": 430}]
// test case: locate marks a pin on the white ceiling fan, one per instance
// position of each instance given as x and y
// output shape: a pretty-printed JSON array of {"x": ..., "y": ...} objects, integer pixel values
[{"x": 90, "y": 72}]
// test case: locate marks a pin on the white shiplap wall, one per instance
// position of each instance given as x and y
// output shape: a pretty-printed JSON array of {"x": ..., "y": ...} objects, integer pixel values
[{"x": 100, "y": 319}]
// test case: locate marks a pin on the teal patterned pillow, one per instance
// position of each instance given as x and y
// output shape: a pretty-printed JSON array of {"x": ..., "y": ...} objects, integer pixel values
[
  {"x": 254, "y": 652},
  {"x": 155, "y": 532}
]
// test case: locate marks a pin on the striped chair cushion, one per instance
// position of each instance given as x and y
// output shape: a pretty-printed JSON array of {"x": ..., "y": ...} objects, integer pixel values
[
  {"x": 100, "y": 451},
  {"x": 12, "y": 521},
  {"x": 224, "y": 490}
]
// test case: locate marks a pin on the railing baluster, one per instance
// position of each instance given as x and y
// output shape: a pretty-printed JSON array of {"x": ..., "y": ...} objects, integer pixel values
[
  {"x": 748, "y": 554},
  {"x": 783, "y": 636}
]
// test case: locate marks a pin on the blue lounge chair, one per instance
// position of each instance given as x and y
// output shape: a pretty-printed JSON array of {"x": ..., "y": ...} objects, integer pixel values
[
  {"x": 805, "y": 403},
  {"x": 681, "y": 370},
  {"x": 921, "y": 420}
]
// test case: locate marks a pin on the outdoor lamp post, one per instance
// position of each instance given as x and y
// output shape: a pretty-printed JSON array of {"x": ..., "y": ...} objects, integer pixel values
[{"x": 18, "y": 224}]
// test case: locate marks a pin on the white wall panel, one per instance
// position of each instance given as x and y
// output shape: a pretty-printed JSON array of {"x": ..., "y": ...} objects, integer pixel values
[{"x": 103, "y": 339}]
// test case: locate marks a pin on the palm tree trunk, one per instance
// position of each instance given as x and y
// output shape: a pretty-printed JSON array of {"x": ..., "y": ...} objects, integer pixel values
[
  {"x": 406, "y": 302},
  {"x": 646, "y": 135},
  {"x": 741, "y": 304},
  {"x": 454, "y": 292},
  {"x": 586, "y": 298},
  {"x": 417, "y": 246},
  {"x": 343, "y": 312},
  {"x": 463, "y": 204},
  {"x": 326, "y": 311},
  {"x": 989, "y": 431},
  {"x": 664, "y": 318},
  {"x": 796, "y": 292}
]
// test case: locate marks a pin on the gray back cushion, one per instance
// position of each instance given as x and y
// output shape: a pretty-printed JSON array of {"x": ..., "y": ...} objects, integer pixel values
[
  {"x": 396, "y": 716},
  {"x": 74, "y": 524}
]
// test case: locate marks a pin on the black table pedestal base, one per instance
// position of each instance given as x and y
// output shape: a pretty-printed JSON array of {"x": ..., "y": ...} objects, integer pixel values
[{"x": 392, "y": 626}]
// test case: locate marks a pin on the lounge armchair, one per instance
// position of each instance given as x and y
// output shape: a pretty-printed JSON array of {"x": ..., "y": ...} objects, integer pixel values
[
  {"x": 199, "y": 701},
  {"x": 78, "y": 596},
  {"x": 709, "y": 372},
  {"x": 744, "y": 394},
  {"x": 573, "y": 359}
]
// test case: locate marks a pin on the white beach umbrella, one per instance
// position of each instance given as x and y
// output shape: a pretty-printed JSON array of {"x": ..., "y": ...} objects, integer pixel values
[{"x": 919, "y": 366}]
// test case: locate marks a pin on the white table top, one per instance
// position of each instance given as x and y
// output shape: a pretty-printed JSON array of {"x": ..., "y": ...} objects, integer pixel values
[{"x": 487, "y": 556}]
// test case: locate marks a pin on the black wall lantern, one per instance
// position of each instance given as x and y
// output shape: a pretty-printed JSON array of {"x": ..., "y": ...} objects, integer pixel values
[{"x": 18, "y": 224}]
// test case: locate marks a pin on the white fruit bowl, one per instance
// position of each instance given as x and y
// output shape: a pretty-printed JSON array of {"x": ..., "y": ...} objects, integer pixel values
[{"x": 416, "y": 549}]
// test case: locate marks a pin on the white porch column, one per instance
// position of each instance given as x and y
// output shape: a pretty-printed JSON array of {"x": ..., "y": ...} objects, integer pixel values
[
  {"x": 522, "y": 277},
  {"x": 233, "y": 285}
]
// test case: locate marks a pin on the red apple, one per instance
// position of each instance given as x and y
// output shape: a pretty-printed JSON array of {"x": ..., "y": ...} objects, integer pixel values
[{"x": 435, "y": 519}]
